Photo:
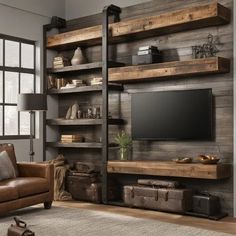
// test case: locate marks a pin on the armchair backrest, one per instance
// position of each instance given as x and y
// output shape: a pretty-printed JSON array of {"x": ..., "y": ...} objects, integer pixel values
[{"x": 9, "y": 148}]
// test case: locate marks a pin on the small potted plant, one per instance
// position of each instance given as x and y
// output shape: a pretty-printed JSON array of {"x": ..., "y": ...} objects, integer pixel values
[{"x": 125, "y": 142}]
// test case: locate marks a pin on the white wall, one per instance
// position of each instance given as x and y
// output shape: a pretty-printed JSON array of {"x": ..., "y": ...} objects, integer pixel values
[
  {"x": 80, "y": 8},
  {"x": 26, "y": 24},
  {"x": 42, "y": 7}
]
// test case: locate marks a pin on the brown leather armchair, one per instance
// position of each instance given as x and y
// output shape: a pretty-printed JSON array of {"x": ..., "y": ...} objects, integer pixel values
[{"x": 33, "y": 184}]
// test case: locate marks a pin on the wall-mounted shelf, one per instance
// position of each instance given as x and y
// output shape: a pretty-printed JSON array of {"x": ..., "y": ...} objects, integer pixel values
[
  {"x": 85, "y": 89},
  {"x": 176, "y": 21},
  {"x": 75, "y": 145},
  {"x": 161, "y": 168},
  {"x": 83, "y": 122},
  {"x": 93, "y": 145},
  {"x": 84, "y": 67},
  {"x": 192, "y": 67}
]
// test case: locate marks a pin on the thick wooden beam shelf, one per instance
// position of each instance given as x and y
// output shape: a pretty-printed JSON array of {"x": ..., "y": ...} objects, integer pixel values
[
  {"x": 93, "y": 145},
  {"x": 161, "y": 168},
  {"x": 83, "y": 122},
  {"x": 74, "y": 145},
  {"x": 175, "y": 21},
  {"x": 84, "y": 67},
  {"x": 85, "y": 89},
  {"x": 212, "y": 65}
]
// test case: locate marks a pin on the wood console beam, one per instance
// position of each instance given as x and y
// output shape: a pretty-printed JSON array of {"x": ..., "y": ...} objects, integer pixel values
[
  {"x": 170, "y": 169},
  {"x": 170, "y": 22},
  {"x": 211, "y": 65}
]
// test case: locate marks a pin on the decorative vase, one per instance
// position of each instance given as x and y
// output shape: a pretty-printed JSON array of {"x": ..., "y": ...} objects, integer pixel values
[
  {"x": 124, "y": 154},
  {"x": 78, "y": 57}
]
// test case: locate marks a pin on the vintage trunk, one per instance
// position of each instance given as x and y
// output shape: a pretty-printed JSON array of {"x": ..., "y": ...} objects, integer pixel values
[
  {"x": 84, "y": 188},
  {"x": 206, "y": 204},
  {"x": 171, "y": 200}
]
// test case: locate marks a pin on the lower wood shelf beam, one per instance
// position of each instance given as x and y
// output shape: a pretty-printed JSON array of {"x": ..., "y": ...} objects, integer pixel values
[
  {"x": 162, "y": 168},
  {"x": 141, "y": 73},
  {"x": 75, "y": 145},
  {"x": 86, "y": 89},
  {"x": 64, "y": 122}
]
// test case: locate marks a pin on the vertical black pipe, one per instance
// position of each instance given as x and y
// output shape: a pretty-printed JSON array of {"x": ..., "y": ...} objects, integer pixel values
[
  {"x": 107, "y": 11},
  {"x": 44, "y": 89},
  {"x": 104, "y": 103}
]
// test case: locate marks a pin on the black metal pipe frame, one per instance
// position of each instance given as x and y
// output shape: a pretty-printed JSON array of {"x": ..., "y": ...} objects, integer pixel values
[
  {"x": 111, "y": 10},
  {"x": 57, "y": 23}
]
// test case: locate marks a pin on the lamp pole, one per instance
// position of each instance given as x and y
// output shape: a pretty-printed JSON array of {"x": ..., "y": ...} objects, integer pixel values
[{"x": 31, "y": 153}]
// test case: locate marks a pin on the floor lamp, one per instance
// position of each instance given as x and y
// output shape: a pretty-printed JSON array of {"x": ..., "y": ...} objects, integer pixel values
[{"x": 31, "y": 103}]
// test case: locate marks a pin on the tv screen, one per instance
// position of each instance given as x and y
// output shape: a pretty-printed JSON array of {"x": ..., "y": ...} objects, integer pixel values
[{"x": 172, "y": 115}]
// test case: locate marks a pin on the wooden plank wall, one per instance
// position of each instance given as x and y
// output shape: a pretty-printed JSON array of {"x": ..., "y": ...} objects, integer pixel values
[{"x": 175, "y": 47}]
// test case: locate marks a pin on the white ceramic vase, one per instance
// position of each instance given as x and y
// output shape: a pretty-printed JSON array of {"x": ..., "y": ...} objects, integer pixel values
[{"x": 78, "y": 57}]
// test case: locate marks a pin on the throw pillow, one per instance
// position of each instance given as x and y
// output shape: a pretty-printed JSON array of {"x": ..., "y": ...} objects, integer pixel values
[{"x": 7, "y": 170}]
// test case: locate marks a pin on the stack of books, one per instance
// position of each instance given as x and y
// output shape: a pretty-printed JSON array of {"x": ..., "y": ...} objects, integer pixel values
[
  {"x": 147, "y": 55},
  {"x": 60, "y": 62},
  {"x": 78, "y": 82},
  {"x": 96, "y": 81},
  {"x": 145, "y": 50},
  {"x": 71, "y": 138}
]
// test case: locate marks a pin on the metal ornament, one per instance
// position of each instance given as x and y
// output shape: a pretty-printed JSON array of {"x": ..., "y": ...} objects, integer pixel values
[{"x": 206, "y": 50}]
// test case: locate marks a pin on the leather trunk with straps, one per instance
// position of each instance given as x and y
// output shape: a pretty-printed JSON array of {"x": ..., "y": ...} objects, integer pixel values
[
  {"x": 84, "y": 187},
  {"x": 162, "y": 199}
]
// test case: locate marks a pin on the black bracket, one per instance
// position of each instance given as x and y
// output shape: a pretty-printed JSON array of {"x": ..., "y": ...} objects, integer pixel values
[
  {"x": 113, "y": 10},
  {"x": 56, "y": 22}
]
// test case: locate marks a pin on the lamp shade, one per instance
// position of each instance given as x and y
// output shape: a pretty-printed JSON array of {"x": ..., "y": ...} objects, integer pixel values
[{"x": 32, "y": 102}]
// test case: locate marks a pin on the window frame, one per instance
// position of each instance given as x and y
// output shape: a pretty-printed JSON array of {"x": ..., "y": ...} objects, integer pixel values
[{"x": 18, "y": 70}]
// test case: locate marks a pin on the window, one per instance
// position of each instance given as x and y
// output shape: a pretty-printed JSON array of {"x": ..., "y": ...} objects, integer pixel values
[{"x": 17, "y": 75}]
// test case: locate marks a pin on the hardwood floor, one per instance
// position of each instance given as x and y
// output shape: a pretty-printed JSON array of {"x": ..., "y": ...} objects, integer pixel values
[{"x": 226, "y": 225}]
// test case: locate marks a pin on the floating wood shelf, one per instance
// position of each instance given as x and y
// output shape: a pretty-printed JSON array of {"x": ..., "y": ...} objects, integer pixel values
[
  {"x": 74, "y": 145},
  {"x": 93, "y": 145},
  {"x": 83, "y": 122},
  {"x": 201, "y": 66},
  {"x": 85, "y": 89},
  {"x": 175, "y": 21},
  {"x": 161, "y": 168},
  {"x": 84, "y": 67}
]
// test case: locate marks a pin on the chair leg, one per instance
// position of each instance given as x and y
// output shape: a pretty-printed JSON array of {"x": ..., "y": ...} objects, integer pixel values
[{"x": 47, "y": 205}]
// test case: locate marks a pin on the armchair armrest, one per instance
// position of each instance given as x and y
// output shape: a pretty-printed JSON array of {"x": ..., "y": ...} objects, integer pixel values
[
  {"x": 41, "y": 170},
  {"x": 35, "y": 170}
]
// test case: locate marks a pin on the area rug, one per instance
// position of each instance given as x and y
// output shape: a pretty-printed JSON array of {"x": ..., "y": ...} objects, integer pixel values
[{"x": 60, "y": 221}]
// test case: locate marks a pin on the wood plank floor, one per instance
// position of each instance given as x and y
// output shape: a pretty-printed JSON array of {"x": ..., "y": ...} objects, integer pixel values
[{"x": 226, "y": 225}]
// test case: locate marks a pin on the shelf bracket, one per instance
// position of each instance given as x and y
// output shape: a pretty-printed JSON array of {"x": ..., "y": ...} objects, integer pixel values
[{"x": 115, "y": 11}]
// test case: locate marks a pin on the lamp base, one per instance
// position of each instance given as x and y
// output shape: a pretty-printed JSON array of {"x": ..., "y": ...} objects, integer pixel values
[{"x": 31, "y": 154}]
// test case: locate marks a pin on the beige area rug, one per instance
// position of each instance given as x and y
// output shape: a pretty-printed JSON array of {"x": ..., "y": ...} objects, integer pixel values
[{"x": 60, "y": 221}]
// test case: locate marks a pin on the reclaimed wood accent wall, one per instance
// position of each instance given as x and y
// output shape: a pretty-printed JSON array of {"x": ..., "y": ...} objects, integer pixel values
[{"x": 175, "y": 46}]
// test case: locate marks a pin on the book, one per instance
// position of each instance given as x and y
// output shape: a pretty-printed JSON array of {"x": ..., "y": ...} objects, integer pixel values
[
  {"x": 70, "y": 136},
  {"x": 146, "y": 52},
  {"x": 144, "y": 48}
]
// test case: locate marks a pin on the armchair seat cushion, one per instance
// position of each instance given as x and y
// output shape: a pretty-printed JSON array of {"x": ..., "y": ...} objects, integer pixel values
[
  {"x": 8, "y": 193},
  {"x": 27, "y": 186}
]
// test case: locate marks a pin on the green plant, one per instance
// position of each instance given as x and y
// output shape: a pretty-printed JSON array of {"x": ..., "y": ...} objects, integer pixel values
[{"x": 123, "y": 139}]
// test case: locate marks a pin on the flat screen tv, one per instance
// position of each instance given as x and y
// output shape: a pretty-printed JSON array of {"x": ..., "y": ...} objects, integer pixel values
[{"x": 172, "y": 115}]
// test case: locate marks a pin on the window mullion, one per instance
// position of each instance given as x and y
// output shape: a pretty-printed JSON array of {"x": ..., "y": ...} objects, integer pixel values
[
  {"x": 3, "y": 82},
  {"x": 34, "y": 68},
  {"x": 19, "y": 86}
]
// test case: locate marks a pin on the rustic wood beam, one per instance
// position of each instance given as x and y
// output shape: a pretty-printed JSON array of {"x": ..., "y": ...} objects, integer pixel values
[
  {"x": 185, "y": 19},
  {"x": 162, "y": 168}
]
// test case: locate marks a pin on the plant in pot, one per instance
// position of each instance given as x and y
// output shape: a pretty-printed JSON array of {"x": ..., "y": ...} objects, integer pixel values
[{"x": 125, "y": 143}]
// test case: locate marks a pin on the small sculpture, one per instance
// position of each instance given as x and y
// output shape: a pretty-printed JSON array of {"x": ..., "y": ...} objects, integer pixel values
[
  {"x": 208, "y": 49},
  {"x": 78, "y": 58},
  {"x": 74, "y": 111},
  {"x": 68, "y": 113}
]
